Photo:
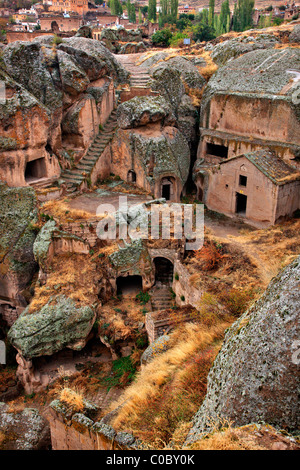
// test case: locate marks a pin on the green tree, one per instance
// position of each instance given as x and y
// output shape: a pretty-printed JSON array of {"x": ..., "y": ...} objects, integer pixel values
[
  {"x": 211, "y": 12},
  {"x": 140, "y": 16},
  {"x": 242, "y": 16},
  {"x": 152, "y": 10},
  {"x": 174, "y": 10}
]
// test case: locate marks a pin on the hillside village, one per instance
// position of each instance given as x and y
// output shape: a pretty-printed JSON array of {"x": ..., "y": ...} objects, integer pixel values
[{"x": 149, "y": 225}]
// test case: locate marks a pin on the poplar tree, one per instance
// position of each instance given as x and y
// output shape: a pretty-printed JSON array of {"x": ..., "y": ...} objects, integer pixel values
[{"x": 152, "y": 10}]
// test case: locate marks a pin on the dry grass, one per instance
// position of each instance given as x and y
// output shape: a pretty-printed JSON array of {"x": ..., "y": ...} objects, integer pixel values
[
  {"x": 73, "y": 399},
  {"x": 169, "y": 390},
  {"x": 73, "y": 275},
  {"x": 229, "y": 439},
  {"x": 60, "y": 210}
]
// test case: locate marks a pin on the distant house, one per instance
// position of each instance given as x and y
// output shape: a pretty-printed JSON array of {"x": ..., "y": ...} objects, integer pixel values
[{"x": 257, "y": 186}]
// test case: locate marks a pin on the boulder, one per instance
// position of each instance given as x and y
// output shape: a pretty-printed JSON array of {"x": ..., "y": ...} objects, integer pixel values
[
  {"x": 188, "y": 72},
  {"x": 255, "y": 377},
  {"x": 295, "y": 34},
  {"x": 59, "y": 324},
  {"x": 235, "y": 47},
  {"x": 84, "y": 32},
  {"x": 158, "y": 346},
  {"x": 23, "y": 430},
  {"x": 140, "y": 111},
  {"x": 132, "y": 48},
  {"x": 35, "y": 67},
  {"x": 74, "y": 80},
  {"x": 94, "y": 58}
]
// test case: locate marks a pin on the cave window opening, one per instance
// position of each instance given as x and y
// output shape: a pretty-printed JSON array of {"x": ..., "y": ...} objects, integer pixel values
[
  {"x": 216, "y": 150},
  {"x": 129, "y": 285}
]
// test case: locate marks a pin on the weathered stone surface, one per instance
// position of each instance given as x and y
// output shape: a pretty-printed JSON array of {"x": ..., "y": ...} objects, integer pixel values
[
  {"x": 152, "y": 155},
  {"x": 188, "y": 72},
  {"x": 132, "y": 48},
  {"x": 84, "y": 32},
  {"x": 51, "y": 112},
  {"x": 17, "y": 264},
  {"x": 74, "y": 79},
  {"x": 43, "y": 241},
  {"x": 24, "y": 430},
  {"x": 57, "y": 325},
  {"x": 255, "y": 377},
  {"x": 295, "y": 34},
  {"x": 34, "y": 66},
  {"x": 235, "y": 47},
  {"x": 140, "y": 111},
  {"x": 157, "y": 347},
  {"x": 94, "y": 58}
]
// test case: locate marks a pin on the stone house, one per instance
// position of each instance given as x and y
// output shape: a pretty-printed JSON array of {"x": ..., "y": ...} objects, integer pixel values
[{"x": 257, "y": 186}]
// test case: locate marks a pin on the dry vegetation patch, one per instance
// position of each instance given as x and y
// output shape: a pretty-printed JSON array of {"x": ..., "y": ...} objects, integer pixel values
[{"x": 169, "y": 390}]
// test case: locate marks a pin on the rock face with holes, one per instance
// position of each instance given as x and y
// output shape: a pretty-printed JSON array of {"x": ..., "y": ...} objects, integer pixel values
[
  {"x": 155, "y": 159},
  {"x": 250, "y": 107},
  {"x": 255, "y": 377},
  {"x": 57, "y": 94}
]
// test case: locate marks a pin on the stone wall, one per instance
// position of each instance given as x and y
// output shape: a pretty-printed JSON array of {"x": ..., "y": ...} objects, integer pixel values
[
  {"x": 13, "y": 36},
  {"x": 161, "y": 323},
  {"x": 186, "y": 294},
  {"x": 48, "y": 23},
  {"x": 81, "y": 432}
]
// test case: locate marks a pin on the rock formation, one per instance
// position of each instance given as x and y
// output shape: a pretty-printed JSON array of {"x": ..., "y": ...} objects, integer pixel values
[
  {"x": 255, "y": 377},
  {"x": 24, "y": 430},
  {"x": 17, "y": 264},
  {"x": 57, "y": 94}
]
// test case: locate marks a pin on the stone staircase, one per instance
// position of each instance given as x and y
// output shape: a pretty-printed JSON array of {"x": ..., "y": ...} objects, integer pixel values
[
  {"x": 74, "y": 177},
  {"x": 41, "y": 183},
  {"x": 139, "y": 76},
  {"x": 161, "y": 298}
]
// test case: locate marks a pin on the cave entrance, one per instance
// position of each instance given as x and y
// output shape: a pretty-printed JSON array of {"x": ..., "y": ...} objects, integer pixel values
[
  {"x": 167, "y": 189},
  {"x": 131, "y": 177},
  {"x": 54, "y": 27},
  {"x": 163, "y": 270},
  {"x": 35, "y": 169},
  {"x": 241, "y": 204},
  {"x": 216, "y": 150},
  {"x": 129, "y": 284}
]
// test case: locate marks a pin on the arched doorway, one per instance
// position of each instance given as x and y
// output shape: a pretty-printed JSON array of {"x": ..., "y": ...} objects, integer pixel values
[
  {"x": 131, "y": 176},
  {"x": 54, "y": 27},
  {"x": 163, "y": 270},
  {"x": 129, "y": 285}
]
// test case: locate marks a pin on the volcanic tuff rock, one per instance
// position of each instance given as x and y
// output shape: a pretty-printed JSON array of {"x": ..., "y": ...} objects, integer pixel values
[
  {"x": 295, "y": 34},
  {"x": 235, "y": 47},
  {"x": 24, "y": 430},
  {"x": 57, "y": 92},
  {"x": 188, "y": 72},
  {"x": 256, "y": 74},
  {"x": 140, "y": 111},
  {"x": 17, "y": 264},
  {"x": 58, "y": 324},
  {"x": 255, "y": 377}
]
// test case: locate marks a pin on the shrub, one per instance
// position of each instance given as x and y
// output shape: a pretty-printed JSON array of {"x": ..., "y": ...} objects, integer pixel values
[
  {"x": 237, "y": 301},
  {"x": 210, "y": 255},
  {"x": 143, "y": 297},
  {"x": 162, "y": 37}
]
